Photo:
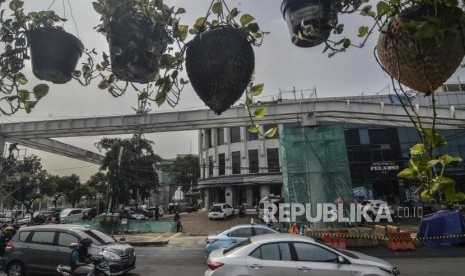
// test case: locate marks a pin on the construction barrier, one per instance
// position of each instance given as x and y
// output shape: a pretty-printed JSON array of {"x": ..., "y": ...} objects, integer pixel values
[
  {"x": 337, "y": 240},
  {"x": 400, "y": 241}
]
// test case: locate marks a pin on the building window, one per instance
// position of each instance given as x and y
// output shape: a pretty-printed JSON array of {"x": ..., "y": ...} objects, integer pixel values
[
  {"x": 272, "y": 156},
  {"x": 251, "y": 136},
  {"x": 253, "y": 161},
  {"x": 220, "y": 136},
  {"x": 221, "y": 164},
  {"x": 210, "y": 166},
  {"x": 209, "y": 138},
  {"x": 235, "y": 134},
  {"x": 236, "y": 162},
  {"x": 352, "y": 137},
  {"x": 268, "y": 127}
]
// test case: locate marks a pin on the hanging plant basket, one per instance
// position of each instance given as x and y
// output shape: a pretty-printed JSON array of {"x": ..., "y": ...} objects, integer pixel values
[
  {"x": 136, "y": 46},
  {"x": 220, "y": 62},
  {"x": 418, "y": 60},
  {"x": 54, "y": 54},
  {"x": 308, "y": 21}
]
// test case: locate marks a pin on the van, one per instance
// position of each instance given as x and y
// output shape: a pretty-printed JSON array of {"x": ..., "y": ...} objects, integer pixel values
[{"x": 273, "y": 199}]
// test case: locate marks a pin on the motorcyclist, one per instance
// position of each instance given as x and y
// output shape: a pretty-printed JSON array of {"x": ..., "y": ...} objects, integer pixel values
[
  {"x": 80, "y": 258},
  {"x": 5, "y": 237}
]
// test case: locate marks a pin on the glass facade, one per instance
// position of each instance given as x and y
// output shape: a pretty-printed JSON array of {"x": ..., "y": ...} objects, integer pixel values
[
  {"x": 253, "y": 161},
  {"x": 220, "y": 136},
  {"x": 221, "y": 164},
  {"x": 235, "y": 134},
  {"x": 236, "y": 162},
  {"x": 272, "y": 157}
]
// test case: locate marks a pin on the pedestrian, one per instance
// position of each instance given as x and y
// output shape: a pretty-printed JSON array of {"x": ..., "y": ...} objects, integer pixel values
[
  {"x": 157, "y": 210},
  {"x": 269, "y": 221}
]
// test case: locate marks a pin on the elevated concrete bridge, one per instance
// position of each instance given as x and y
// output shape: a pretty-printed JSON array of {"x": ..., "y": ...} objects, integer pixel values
[{"x": 38, "y": 134}]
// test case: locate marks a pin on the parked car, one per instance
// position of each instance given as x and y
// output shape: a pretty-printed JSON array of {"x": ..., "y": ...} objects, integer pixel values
[
  {"x": 220, "y": 211},
  {"x": 234, "y": 235},
  {"x": 131, "y": 215},
  {"x": 39, "y": 217},
  {"x": 378, "y": 206},
  {"x": 290, "y": 255},
  {"x": 41, "y": 248},
  {"x": 69, "y": 212}
]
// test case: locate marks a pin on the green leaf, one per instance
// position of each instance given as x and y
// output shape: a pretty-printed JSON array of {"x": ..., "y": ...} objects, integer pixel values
[
  {"x": 23, "y": 95},
  {"x": 346, "y": 43},
  {"x": 260, "y": 112},
  {"x": 253, "y": 27},
  {"x": 167, "y": 60},
  {"x": 363, "y": 31},
  {"x": 182, "y": 32},
  {"x": 16, "y": 5},
  {"x": 432, "y": 163},
  {"x": 29, "y": 105},
  {"x": 40, "y": 90},
  {"x": 232, "y": 14},
  {"x": 217, "y": 8},
  {"x": 418, "y": 149},
  {"x": 425, "y": 195},
  {"x": 143, "y": 96},
  {"x": 200, "y": 22},
  {"x": 256, "y": 90},
  {"x": 180, "y": 11},
  {"x": 447, "y": 159},
  {"x": 406, "y": 173},
  {"x": 100, "y": 9},
  {"x": 382, "y": 8},
  {"x": 425, "y": 30},
  {"x": 160, "y": 98},
  {"x": 246, "y": 19},
  {"x": 270, "y": 133},
  {"x": 254, "y": 129}
]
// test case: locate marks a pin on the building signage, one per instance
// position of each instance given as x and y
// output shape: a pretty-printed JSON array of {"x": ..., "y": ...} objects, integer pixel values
[{"x": 383, "y": 166}]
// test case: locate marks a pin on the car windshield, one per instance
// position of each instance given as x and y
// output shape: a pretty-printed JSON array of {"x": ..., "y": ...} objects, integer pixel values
[
  {"x": 98, "y": 237},
  {"x": 236, "y": 247},
  {"x": 215, "y": 209}
]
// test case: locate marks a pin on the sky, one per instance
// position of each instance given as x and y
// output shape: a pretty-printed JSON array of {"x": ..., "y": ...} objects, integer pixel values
[{"x": 280, "y": 65}]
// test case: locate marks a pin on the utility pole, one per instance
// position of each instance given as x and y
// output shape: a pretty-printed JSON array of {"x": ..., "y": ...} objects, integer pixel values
[{"x": 121, "y": 149}]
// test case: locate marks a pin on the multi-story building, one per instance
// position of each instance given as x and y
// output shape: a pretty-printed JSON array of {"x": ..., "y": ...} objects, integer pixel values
[{"x": 238, "y": 166}]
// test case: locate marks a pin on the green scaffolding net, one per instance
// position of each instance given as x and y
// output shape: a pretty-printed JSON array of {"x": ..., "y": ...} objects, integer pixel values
[{"x": 315, "y": 170}]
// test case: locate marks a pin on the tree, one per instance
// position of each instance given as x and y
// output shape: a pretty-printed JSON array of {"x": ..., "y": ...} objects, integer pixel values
[
  {"x": 135, "y": 174},
  {"x": 51, "y": 187},
  {"x": 31, "y": 175},
  {"x": 98, "y": 182},
  {"x": 72, "y": 188},
  {"x": 185, "y": 170}
]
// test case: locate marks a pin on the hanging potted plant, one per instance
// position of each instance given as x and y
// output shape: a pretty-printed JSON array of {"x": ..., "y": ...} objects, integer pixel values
[
  {"x": 54, "y": 52},
  {"x": 36, "y": 36},
  {"x": 142, "y": 35},
  {"x": 309, "y": 21},
  {"x": 220, "y": 59},
  {"x": 421, "y": 44}
]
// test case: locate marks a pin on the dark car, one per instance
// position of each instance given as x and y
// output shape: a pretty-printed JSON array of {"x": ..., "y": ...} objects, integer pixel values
[{"x": 40, "y": 249}]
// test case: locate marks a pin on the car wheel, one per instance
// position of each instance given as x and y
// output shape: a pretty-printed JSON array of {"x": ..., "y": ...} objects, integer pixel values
[{"x": 15, "y": 269}]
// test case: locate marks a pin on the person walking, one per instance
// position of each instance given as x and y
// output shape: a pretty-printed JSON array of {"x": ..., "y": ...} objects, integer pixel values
[{"x": 157, "y": 210}]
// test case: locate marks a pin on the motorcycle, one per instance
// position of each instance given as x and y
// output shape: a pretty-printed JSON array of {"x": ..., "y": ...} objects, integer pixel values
[{"x": 100, "y": 268}]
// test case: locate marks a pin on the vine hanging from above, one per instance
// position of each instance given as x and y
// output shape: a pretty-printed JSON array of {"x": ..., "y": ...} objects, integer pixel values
[
  {"x": 146, "y": 43},
  {"x": 53, "y": 51}
]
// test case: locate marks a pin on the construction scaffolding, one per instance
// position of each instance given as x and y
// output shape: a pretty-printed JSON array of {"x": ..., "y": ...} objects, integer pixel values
[{"x": 315, "y": 170}]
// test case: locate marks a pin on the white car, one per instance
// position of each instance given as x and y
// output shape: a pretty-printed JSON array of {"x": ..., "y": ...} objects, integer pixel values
[
  {"x": 291, "y": 255},
  {"x": 376, "y": 207},
  {"x": 220, "y": 211}
]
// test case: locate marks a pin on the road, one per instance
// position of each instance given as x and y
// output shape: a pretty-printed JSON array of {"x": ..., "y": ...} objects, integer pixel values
[
  {"x": 187, "y": 259},
  {"x": 179, "y": 260}
]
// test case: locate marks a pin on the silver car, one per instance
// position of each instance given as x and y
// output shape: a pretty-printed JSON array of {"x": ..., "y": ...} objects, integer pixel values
[
  {"x": 40, "y": 249},
  {"x": 293, "y": 255}
]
